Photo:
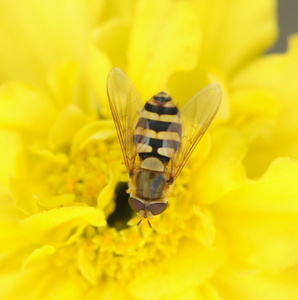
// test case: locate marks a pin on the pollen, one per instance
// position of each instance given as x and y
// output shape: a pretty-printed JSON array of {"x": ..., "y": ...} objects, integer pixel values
[{"x": 84, "y": 175}]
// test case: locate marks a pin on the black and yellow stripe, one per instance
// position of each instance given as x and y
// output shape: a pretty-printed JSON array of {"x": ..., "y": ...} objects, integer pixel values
[{"x": 158, "y": 131}]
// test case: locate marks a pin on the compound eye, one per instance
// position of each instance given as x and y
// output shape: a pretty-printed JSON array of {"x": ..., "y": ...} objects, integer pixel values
[
  {"x": 157, "y": 208},
  {"x": 136, "y": 204}
]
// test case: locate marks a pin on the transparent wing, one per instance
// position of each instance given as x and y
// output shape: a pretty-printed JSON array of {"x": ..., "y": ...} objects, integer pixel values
[
  {"x": 196, "y": 116},
  {"x": 125, "y": 104}
]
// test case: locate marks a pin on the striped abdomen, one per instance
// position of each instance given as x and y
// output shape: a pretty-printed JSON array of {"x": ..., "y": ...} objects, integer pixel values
[{"x": 158, "y": 131}]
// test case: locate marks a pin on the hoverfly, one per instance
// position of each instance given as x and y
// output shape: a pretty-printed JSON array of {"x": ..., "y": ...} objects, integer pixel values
[{"x": 156, "y": 138}]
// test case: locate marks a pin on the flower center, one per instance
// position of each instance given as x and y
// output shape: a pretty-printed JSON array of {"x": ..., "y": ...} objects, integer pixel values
[
  {"x": 116, "y": 251},
  {"x": 122, "y": 212},
  {"x": 83, "y": 176}
]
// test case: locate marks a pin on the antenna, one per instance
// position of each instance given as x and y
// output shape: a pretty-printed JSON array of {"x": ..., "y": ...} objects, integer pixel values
[{"x": 149, "y": 224}]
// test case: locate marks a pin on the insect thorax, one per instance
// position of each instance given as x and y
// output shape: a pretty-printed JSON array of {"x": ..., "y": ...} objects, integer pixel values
[{"x": 150, "y": 185}]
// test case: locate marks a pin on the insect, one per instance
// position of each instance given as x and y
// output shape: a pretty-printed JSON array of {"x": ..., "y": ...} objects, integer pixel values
[{"x": 156, "y": 138}]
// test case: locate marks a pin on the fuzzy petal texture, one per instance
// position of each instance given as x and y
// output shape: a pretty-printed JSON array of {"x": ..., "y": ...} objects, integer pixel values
[{"x": 172, "y": 22}]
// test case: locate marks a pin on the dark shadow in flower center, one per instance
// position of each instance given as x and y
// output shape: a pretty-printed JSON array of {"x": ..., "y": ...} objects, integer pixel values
[{"x": 122, "y": 213}]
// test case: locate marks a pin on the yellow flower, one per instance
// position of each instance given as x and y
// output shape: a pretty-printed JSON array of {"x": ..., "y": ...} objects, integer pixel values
[{"x": 230, "y": 231}]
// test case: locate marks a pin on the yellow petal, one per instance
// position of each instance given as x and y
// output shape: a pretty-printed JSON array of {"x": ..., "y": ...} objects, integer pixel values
[
  {"x": 184, "y": 84},
  {"x": 87, "y": 267},
  {"x": 41, "y": 270},
  {"x": 38, "y": 255},
  {"x": 30, "y": 189},
  {"x": 222, "y": 170},
  {"x": 8, "y": 210},
  {"x": 48, "y": 33},
  {"x": 236, "y": 31},
  {"x": 57, "y": 224},
  {"x": 249, "y": 285},
  {"x": 112, "y": 37},
  {"x": 251, "y": 103},
  {"x": 56, "y": 201},
  {"x": 8, "y": 284},
  {"x": 274, "y": 73},
  {"x": 108, "y": 192},
  {"x": 14, "y": 247},
  {"x": 275, "y": 76},
  {"x": 261, "y": 241},
  {"x": 204, "y": 292},
  {"x": 260, "y": 218},
  {"x": 63, "y": 82},
  {"x": 208, "y": 291},
  {"x": 119, "y": 9},
  {"x": 191, "y": 265},
  {"x": 25, "y": 108},
  {"x": 100, "y": 130},
  {"x": 99, "y": 66},
  {"x": 23, "y": 196},
  {"x": 13, "y": 157},
  {"x": 255, "y": 113},
  {"x": 276, "y": 192},
  {"x": 108, "y": 289},
  {"x": 69, "y": 121},
  {"x": 165, "y": 38},
  {"x": 190, "y": 294},
  {"x": 204, "y": 230}
]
